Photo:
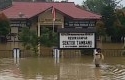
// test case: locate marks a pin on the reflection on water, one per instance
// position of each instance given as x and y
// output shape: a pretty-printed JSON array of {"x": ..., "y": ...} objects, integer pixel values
[{"x": 113, "y": 68}]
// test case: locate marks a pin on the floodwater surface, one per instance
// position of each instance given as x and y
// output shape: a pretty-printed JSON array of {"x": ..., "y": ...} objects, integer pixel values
[{"x": 47, "y": 68}]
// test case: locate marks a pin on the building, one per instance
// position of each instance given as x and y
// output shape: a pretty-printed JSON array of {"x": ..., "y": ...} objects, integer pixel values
[
  {"x": 5, "y": 3},
  {"x": 39, "y": 14}
]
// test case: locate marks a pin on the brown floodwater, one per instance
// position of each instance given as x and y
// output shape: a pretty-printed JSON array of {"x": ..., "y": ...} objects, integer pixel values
[{"x": 47, "y": 68}]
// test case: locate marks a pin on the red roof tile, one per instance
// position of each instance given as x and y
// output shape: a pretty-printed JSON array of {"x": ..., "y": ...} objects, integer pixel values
[{"x": 30, "y": 9}]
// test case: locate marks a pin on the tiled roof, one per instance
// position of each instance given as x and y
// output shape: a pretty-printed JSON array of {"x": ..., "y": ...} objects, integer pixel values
[{"x": 30, "y": 9}]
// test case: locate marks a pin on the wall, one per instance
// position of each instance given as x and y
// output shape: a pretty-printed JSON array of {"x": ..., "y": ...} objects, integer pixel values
[{"x": 46, "y": 18}]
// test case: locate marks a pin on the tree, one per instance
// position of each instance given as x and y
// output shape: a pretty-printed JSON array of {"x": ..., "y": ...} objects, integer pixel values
[
  {"x": 24, "y": 36},
  {"x": 107, "y": 8},
  {"x": 94, "y": 5},
  {"x": 34, "y": 41},
  {"x": 100, "y": 28},
  {"x": 113, "y": 20},
  {"x": 108, "y": 17},
  {"x": 4, "y": 26},
  {"x": 29, "y": 39},
  {"x": 48, "y": 38},
  {"x": 121, "y": 21},
  {"x": 97, "y": 5}
]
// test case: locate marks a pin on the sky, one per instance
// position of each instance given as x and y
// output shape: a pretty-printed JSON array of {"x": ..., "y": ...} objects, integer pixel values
[{"x": 80, "y": 1}]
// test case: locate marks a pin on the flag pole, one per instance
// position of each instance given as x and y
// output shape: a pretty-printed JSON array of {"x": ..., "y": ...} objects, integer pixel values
[
  {"x": 53, "y": 25},
  {"x": 54, "y": 14}
]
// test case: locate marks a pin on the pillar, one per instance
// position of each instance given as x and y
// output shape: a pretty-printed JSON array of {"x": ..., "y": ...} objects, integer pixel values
[{"x": 38, "y": 30}]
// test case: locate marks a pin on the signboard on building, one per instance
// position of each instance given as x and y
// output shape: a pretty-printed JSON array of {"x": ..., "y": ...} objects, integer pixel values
[
  {"x": 84, "y": 23},
  {"x": 49, "y": 20},
  {"x": 20, "y": 23},
  {"x": 76, "y": 40}
]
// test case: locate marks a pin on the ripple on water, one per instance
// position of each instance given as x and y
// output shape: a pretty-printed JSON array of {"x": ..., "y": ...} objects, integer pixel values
[
  {"x": 8, "y": 70},
  {"x": 66, "y": 70},
  {"x": 8, "y": 74},
  {"x": 115, "y": 72}
]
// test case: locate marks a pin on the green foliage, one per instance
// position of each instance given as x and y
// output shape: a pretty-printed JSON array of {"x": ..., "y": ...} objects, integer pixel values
[
  {"x": 29, "y": 39},
  {"x": 100, "y": 28},
  {"x": 113, "y": 19},
  {"x": 4, "y": 25},
  {"x": 94, "y": 5},
  {"x": 121, "y": 18},
  {"x": 108, "y": 17},
  {"x": 98, "y": 5},
  {"x": 24, "y": 36},
  {"x": 48, "y": 38}
]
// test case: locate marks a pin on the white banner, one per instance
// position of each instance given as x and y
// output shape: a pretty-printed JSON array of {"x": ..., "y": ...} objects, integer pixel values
[{"x": 77, "y": 40}]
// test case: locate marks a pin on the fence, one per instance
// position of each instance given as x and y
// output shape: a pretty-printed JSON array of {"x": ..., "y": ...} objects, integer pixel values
[
  {"x": 6, "y": 53},
  {"x": 66, "y": 53},
  {"x": 113, "y": 52},
  {"x": 9, "y": 53}
]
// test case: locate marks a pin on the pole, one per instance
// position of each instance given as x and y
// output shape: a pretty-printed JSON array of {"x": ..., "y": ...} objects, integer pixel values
[
  {"x": 38, "y": 36},
  {"x": 54, "y": 16},
  {"x": 53, "y": 25},
  {"x": 124, "y": 40}
]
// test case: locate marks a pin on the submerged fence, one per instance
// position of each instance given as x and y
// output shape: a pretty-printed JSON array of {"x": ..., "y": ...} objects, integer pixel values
[
  {"x": 113, "y": 52},
  {"x": 6, "y": 53},
  {"x": 66, "y": 53}
]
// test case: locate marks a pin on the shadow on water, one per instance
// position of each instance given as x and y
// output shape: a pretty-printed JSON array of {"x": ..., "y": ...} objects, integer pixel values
[{"x": 80, "y": 68}]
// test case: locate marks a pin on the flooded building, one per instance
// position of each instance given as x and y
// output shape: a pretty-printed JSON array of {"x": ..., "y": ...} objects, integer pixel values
[{"x": 39, "y": 14}]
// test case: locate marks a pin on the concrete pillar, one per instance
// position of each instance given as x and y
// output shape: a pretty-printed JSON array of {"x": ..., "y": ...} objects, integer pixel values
[
  {"x": 63, "y": 23},
  {"x": 16, "y": 55},
  {"x": 38, "y": 30},
  {"x": 56, "y": 53}
]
